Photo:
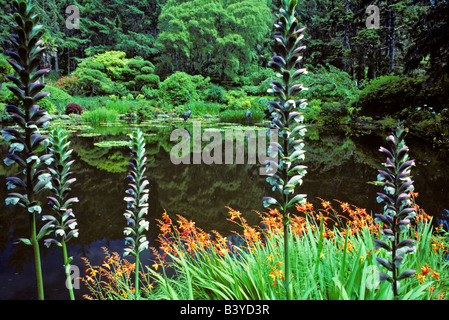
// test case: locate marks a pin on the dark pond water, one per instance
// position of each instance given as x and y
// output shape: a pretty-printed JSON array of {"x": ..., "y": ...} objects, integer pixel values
[{"x": 340, "y": 162}]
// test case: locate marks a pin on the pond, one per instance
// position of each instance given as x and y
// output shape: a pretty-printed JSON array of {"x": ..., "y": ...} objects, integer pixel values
[{"x": 340, "y": 163}]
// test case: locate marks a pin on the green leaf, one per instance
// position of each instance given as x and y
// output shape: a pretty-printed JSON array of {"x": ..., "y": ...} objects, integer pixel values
[
  {"x": 24, "y": 240},
  {"x": 301, "y": 198},
  {"x": 45, "y": 230},
  {"x": 268, "y": 201},
  {"x": 297, "y": 179}
]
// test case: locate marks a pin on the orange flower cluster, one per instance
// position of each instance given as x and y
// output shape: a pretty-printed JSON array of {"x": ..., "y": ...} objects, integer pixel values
[
  {"x": 421, "y": 215},
  {"x": 438, "y": 245},
  {"x": 351, "y": 218},
  {"x": 276, "y": 274},
  {"x": 422, "y": 277},
  {"x": 112, "y": 279},
  {"x": 187, "y": 236},
  {"x": 250, "y": 234},
  {"x": 184, "y": 238}
]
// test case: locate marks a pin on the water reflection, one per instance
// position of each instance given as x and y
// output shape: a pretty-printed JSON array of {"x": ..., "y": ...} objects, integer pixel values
[{"x": 340, "y": 165}]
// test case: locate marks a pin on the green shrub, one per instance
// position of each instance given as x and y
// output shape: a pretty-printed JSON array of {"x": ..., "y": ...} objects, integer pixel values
[
  {"x": 150, "y": 93},
  {"x": 67, "y": 84},
  {"x": 48, "y": 105},
  {"x": 334, "y": 112},
  {"x": 139, "y": 73},
  {"x": 389, "y": 95},
  {"x": 113, "y": 62},
  {"x": 216, "y": 93},
  {"x": 260, "y": 89},
  {"x": 436, "y": 96},
  {"x": 328, "y": 84},
  {"x": 181, "y": 87},
  {"x": 234, "y": 99},
  {"x": 388, "y": 123},
  {"x": 57, "y": 94},
  {"x": 102, "y": 74},
  {"x": 93, "y": 82},
  {"x": 5, "y": 69},
  {"x": 57, "y": 99},
  {"x": 313, "y": 111},
  {"x": 144, "y": 110},
  {"x": 51, "y": 103}
]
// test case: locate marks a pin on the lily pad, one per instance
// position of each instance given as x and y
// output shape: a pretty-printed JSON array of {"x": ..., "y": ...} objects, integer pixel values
[{"x": 110, "y": 144}]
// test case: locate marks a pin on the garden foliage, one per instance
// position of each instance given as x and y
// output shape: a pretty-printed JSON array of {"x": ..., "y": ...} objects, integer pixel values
[
  {"x": 112, "y": 73},
  {"x": 180, "y": 87},
  {"x": 389, "y": 95},
  {"x": 332, "y": 252}
]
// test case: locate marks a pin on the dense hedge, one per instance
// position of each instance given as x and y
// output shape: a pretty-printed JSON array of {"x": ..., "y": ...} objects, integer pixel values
[{"x": 388, "y": 95}]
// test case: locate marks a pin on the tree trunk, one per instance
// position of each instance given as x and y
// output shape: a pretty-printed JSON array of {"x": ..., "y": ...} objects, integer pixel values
[
  {"x": 56, "y": 61},
  {"x": 392, "y": 22},
  {"x": 346, "y": 38}
]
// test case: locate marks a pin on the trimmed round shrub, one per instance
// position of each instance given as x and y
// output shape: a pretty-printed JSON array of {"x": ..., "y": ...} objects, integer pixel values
[{"x": 73, "y": 108}]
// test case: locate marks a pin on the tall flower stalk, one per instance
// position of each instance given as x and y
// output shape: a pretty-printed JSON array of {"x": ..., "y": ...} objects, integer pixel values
[
  {"x": 63, "y": 222},
  {"x": 26, "y": 142},
  {"x": 137, "y": 203},
  {"x": 287, "y": 121},
  {"x": 398, "y": 209}
]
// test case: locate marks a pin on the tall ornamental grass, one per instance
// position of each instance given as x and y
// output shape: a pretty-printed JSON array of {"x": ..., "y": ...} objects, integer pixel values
[{"x": 100, "y": 115}]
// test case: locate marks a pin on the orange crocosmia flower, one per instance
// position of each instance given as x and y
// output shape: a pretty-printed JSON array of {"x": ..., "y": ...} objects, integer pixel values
[
  {"x": 344, "y": 206},
  {"x": 421, "y": 278},
  {"x": 234, "y": 214},
  {"x": 326, "y": 204},
  {"x": 425, "y": 270},
  {"x": 436, "y": 275},
  {"x": 166, "y": 217},
  {"x": 275, "y": 273},
  {"x": 304, "y": 207}
]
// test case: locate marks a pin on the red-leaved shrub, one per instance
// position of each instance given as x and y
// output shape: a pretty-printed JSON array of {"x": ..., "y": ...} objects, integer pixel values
[{"x": 73, "y": 108}]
